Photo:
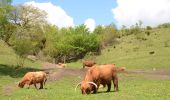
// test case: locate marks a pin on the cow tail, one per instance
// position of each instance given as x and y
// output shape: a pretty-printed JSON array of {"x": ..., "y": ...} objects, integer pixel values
[
  {"x": 45, "y": 79},
  {"x": 120, "y": 69}
]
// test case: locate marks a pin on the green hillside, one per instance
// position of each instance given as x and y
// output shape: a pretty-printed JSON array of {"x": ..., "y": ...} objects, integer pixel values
[
  {"x": 154, "y": 52},
  {"x": 7, "y": 55},
  {"x": 9, "y": 58},
  {"x": 145, "y": 54}
]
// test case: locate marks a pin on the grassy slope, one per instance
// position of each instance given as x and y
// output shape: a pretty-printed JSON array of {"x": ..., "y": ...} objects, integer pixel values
[
  {"x": 134, "y": 54},
  {"x": 8, "y": 73},
  {"x": 8, "y": 57},
  {"x": 130, "y": 53}
]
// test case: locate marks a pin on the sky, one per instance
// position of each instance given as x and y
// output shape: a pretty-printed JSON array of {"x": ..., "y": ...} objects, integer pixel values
[{"x": 64, "y": 13}]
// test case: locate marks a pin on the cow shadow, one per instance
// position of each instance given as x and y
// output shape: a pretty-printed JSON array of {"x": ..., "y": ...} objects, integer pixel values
[
  {"x": 7, "y": 70},
  {"x": 99, "y": 92}
]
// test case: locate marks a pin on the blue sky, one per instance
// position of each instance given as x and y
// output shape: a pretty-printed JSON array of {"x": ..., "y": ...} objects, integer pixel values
[
  {"x": 80, "y": 10},
  {"x": 65, "y": 13}
]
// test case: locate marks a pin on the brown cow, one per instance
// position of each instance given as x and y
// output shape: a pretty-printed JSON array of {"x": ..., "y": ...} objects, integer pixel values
[
  {"x": 62, "y": 65},
  {"x": 33, "y": 78},
  {"x": 100, "y": 74},
  {"x": 88, "y": 63}
]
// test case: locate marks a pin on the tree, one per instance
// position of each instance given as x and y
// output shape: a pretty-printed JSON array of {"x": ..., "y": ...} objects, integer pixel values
[
  {"x": 108, "y": 35},
  {"x": 28, "y": 37},
  {"x": 80, "y": 29},
  {"x": 52, "y": 38},
  {"x": 99, "y": 29},
  {"x": 22, "y": 48},
  {"x": 164, "y": 25},
  {"x": 5, "y": 1},
  {"x": 67, "y": 44},
  {"x": 28, "y": 16},
  {"x": 6, "y": 28},
  {"x": 30, "y": 22}
]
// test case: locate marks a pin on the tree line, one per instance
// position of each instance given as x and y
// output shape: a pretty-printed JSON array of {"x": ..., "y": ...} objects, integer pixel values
[{"x": 25, "y": 29}]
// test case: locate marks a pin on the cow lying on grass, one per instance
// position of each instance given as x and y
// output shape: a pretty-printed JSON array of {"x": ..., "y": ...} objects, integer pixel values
[
  {"x": 100, "y": 74},
  {"x": 88, "y": 63},
  {"x": 33, "y": 78}
]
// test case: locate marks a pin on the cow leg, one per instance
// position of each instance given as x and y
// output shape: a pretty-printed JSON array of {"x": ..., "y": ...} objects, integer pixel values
[
  {"x": 98, "y": 84},
  {"x": 41, "y": 85},
  {"x": 94, "y": 90},
  {"x": 34, "y": 82},
  {"x": 29, "y": 85},
  {"x": 35, "y": 85},
  {"x": 115, "y": 82},
  {"x": 45, "y": 81},
  {"x": 109, "y": 86}
]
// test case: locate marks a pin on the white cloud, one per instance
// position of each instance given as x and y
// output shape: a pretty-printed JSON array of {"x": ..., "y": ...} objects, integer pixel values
[
  {"x": 56, "y": 15},
  {"x": 90, "y": 23},
  {"x": 150, "y": 12}
]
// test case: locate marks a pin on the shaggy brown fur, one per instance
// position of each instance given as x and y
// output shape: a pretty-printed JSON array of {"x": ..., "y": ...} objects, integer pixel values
[
  {"x": 100, "y": 74},
  {"x": 33, "y": 78},
  {"x": 88, "y": 63}
]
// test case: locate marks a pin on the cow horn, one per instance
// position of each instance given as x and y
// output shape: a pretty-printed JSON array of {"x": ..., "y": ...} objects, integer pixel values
[
  {"x": 93, "y": 84},
  {"x": 77, "y": 86}
]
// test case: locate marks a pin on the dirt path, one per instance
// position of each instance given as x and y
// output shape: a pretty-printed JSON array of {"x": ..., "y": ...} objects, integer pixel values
[
  {"x": 56, "y": 73},
  {"x": 163, "y": 74}
]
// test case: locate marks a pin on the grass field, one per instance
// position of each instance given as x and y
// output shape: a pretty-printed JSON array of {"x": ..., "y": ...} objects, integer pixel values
[
  {"x": 131, "y": 53},
  {"x": 132, "y": 87}
]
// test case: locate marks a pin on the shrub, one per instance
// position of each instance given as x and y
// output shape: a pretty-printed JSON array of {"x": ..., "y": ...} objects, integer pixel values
[
  {"x": 165, "y": 25},
  {"x": 22, "y": 48},
  {"x": 148, "y": 28}
]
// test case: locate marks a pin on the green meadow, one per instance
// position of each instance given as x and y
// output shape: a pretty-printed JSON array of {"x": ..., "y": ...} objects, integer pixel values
[{"x": 151, "y": 55}]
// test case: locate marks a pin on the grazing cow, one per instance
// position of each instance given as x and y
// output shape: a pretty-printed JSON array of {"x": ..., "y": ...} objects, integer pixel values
[
  {"x": 62, "y": 65},
  {"x": 33, "y": 78},
  {"x": 88, "y": 63},
  {"x": 100, "y": 74}
]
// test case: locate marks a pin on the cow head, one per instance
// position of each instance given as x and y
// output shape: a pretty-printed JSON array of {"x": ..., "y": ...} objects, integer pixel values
[
  {"x": 21, "y": 84},
  {"x": 86, "y": 87}
]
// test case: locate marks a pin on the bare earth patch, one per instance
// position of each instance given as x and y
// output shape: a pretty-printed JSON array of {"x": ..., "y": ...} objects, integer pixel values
[{"x": 163, "y": 74}]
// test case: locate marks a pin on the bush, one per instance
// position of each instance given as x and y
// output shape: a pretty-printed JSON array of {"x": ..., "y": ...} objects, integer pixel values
[
  {"x": 108, "y": 36},
  {"x": 165, "y": 25},
  {"x": 147, "y": 33},
  {"x": 148, "y": 28},
  {"x": 22, "y": 48}
]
